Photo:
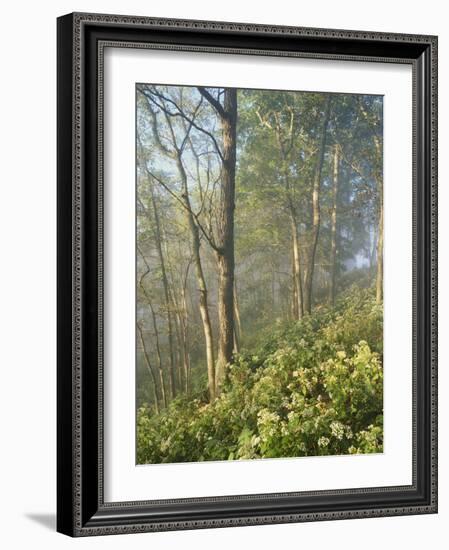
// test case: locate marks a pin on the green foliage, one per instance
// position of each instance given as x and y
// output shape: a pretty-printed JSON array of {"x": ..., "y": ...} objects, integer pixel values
[{"x": 313, "y": 387}]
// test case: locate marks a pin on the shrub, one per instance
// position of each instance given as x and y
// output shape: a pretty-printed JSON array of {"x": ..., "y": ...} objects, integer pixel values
[{"x": 313, "y": 387}]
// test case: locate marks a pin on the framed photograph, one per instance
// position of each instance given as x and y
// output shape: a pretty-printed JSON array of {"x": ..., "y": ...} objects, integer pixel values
[{"x": 247, "y": 283}]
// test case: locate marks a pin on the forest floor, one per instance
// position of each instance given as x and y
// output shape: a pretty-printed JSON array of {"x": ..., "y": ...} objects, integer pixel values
[{"x": 310, "y": 387}]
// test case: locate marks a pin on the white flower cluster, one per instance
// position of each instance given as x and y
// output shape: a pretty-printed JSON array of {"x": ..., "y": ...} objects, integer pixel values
[
  {"x": 337, "y": 429},
  {"x": 268, "y": 419}
]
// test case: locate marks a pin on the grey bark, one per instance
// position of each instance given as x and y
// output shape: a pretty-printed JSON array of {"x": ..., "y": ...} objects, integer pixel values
[
  {"x": 149, "y": 368},
  {"x": 380, "y": 235},
  {"x": 165, "y": 284},
  {"x": 159, "y": 357},
  {"x": 225, "y": 237},
  {"x": 333, "y": 252}
]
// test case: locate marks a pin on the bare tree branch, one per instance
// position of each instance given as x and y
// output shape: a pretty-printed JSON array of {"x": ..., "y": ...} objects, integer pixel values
[
  {"x": 182, "y": 203},
  {"x": 155, "y": 127},
  {"x": 214, "y": 102},
  {"x": 179, "y": 112}
]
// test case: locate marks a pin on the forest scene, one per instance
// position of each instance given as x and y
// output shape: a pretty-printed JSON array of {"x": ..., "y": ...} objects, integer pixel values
[{"x": 259, "y": 274}]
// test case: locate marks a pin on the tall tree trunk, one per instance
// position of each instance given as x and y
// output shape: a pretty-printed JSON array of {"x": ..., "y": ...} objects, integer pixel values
[
  {"x": 156, "y": 336},
  {"x": 294, "y": 298},
  {"x": 380, "y": 257},
  {"x": 373, "y": 253},
  {"x": 185, "y": 335},
  {"x": 310, "y": 264},
  {"x": 237, "y": 323},
  {"x": 380, "y": 231},
  {"x": 183, "y": 327},
  {"x": 333, "y": 255},
  {"x": 204, "y": 312},
  {"x": 159, "y": 357},
  {"x": 177, "y": 322},
  {"x": 225, "y": 255},
  {"x": 297, "y": 291},
  {"x": 158, "y": 239},
  {"x": 378, "y": 144},
  {"x": 298, "y": 308},
  {"x": 149, "y": 368},
  {"x": 202, "y": 287}
]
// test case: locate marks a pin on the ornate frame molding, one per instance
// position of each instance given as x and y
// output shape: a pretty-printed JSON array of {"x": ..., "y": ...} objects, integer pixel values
[{"x": 81, "y": 41}]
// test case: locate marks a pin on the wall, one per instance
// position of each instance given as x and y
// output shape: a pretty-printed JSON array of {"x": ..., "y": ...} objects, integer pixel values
[{"x": 27, "y": 229}]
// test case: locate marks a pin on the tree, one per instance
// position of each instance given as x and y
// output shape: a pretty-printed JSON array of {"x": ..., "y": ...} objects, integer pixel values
[
  {"x": 280, "y": 118},
  {"x": 316, "y": 213},
  {"x": 373, "y": 119},
  {"x": 156, "y": 101},
  {"x": 154, "y": 216},
  {"x": 333, "y": 251},
  {"x": 380, "y": 236},
  {"x": 149, "y": 367},
  {"x": 227, "y": 112},
  {"x": 156, "y": 332}
]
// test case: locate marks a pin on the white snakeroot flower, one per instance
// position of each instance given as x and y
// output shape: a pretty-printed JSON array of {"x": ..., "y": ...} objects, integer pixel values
[{"x": 337, "y": 429}]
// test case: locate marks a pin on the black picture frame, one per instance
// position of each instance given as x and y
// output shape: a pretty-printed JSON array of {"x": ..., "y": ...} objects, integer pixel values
[{"x": 81, "y": 509}]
